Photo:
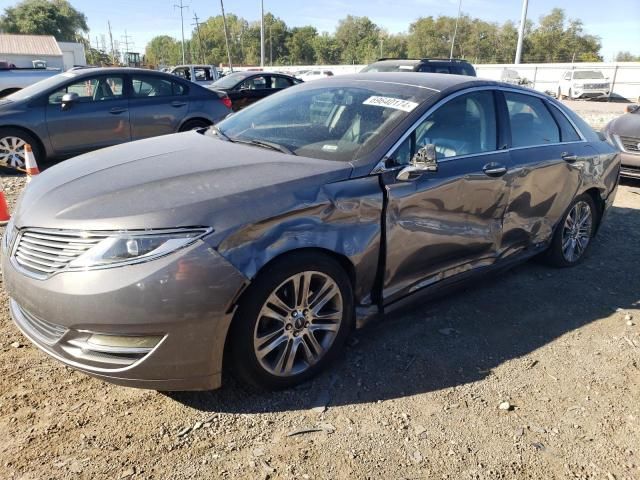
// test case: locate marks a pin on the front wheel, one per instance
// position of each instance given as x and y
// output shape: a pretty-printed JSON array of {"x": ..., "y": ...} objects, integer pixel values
[
  {"x": 292, "y": 321},
  {"x": 573, "y": 234}
]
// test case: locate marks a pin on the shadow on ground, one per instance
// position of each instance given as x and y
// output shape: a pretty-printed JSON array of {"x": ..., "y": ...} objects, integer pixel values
[{"x": 460, "y": 338}]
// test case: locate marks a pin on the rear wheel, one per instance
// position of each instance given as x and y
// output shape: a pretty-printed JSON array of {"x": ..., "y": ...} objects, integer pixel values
[
  {"x": 573, "y": 235},
  {"x": 196, "y": 124},
  {"x": 12, "y": 142},
  {"x": 292, "y": 321}
]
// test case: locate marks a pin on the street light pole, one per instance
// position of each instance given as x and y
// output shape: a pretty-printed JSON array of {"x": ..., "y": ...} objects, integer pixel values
[
  {"x": 455, "y": 31},
  {"x": 523, "y": 21},
  {"x": 262, "y": 33}
]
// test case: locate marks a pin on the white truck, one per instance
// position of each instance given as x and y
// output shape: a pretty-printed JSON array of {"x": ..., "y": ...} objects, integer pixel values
[
  {"x": 583, "y": 83},
  {"x": 14, "y": 79},
  {"x": 201, "y": 74}
]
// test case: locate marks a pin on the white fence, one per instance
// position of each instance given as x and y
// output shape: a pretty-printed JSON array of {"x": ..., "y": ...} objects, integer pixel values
[{"x": 624, "y": 76}]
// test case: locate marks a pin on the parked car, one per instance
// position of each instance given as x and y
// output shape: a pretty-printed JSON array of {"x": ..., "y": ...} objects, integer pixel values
[
  {"x": 315, "y": 75},
  {"x": 13, "y": 79},
  {"x": 624, "y": 133},
  {"x": 511, "y": 76},
  {"x": 581, "y": 83},
  {"x": 203, "y": 75},
  {"x": 245, "y": 88},
  {"x": 258, "y": 244},
  {"x": 91, "y": 108},
  {"x": 428, "y": 65}
]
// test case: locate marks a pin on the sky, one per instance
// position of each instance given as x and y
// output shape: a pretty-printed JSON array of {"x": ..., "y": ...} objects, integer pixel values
[{"x": 616, "y": 24}]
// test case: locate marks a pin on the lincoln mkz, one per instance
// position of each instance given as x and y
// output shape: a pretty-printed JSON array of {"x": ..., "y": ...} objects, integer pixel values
[{"x": 258, "y": 244}]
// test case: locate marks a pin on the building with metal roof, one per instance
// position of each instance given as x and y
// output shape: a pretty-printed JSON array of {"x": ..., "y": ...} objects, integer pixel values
[{"x": 25, "y": 51}]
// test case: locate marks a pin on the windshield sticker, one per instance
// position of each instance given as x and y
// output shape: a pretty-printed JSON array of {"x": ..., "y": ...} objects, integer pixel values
[
  {"x": 390, "y": 102},
  {"x": 330, "y": 148},
  {"x": 406, "y": 67}
]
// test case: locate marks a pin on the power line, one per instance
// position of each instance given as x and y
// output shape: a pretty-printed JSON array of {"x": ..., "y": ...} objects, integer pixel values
[
  {"x": 181, "y": 7},
  {"x": 197, "y": 25}
]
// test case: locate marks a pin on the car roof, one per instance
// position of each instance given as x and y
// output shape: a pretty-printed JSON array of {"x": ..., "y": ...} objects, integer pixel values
[
  {"x": 94, "y": 70},
  {"x": 432, "y": 81}
]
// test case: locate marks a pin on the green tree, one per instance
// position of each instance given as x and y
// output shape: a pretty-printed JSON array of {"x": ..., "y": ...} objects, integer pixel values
[
  {"x": 358, "y": 39},
  {"x": 45, "y": 17},
  {"x": 326, "y": 49},
  {"x": 163, "y": 51},
  {"x": 301, "y": 45},
  {"x": 627, "y": 57}
]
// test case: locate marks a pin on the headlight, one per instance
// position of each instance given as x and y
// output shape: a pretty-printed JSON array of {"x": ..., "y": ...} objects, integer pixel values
[{"x": 134, "y": 247}]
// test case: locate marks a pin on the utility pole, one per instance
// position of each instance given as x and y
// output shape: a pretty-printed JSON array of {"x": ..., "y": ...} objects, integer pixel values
[
  {"x": 270, "y": 46},
  {"x": 197, "y": 24},
  {"x": 113, "y": 51},
  {"x": 181, "y": 7},
  {"x": 126, "y": 46},
  {"x": 523, "y": 21},
  {"x": 262, "y": 33},
  {"x": 455, "y": 31},
  {"x": 226, "y": 36}
]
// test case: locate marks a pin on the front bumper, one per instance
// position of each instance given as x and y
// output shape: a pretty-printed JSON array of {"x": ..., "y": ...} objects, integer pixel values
[
  {"x": 630, "y": 165},
  {"x": 589, "y": 93},
  {"x": 184, "y": 300}
]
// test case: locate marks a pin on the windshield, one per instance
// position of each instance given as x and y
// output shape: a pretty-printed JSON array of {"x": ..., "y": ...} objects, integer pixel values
[
  {"x": 39, "y": 87},
  {"x": 587, "y": 74},
  {"x": 229, "y": 81},
  {"x": 388, "y": 67},
  {"x": 334, "y": 123}
]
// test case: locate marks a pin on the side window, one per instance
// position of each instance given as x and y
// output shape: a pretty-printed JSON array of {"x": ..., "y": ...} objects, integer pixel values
[
  {"x": 441, "y": 70},
  {"x": 463, "y": 126},
  {"x": 152, "y": 86},
  {"x": 95, "y": 89},
  {"x": 280, "y": 82},
  {"x": 531, "y": 122},
  {"x": 567, "y": 76},
  {"x": 567, "y": 131},
  {"x": 426, "y": 68},
  {"x": 255, "y": 83},
  {"x": 203, "y": 74}
]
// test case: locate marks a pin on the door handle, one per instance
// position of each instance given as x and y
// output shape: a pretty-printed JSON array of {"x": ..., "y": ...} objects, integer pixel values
[
  {"x": 494, "y": 169},
  {"x": 178, "y": 104},
  {"x": 569, "y": 157},
  {"x": 116, "y": 111}
]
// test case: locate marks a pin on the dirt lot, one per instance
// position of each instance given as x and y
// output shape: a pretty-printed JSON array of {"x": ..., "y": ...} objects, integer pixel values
[{"x": 415, "y": 396}]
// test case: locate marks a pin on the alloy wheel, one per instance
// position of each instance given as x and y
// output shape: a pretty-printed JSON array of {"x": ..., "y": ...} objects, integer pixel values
[
  {"x": 298, "y": 323},
  {"x": 12, "y": 152},
  {"x": 576, "y": 233}
]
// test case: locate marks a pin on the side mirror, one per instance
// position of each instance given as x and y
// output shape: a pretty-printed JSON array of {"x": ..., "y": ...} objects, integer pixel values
[
  {"x": 69, "y": 99},
  {"x": 633, "y": 108},
  {"x": 424, "y": 160}
]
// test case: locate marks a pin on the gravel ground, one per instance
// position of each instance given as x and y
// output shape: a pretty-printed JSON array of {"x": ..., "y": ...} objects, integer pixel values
[
  {"x": 597, "y": 112},
  {"x": 533, "y": 374}
]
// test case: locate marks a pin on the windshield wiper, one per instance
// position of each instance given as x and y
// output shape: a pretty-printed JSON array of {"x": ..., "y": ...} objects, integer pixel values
[
  {"x": 265, "y": 144},
  {"x": 220, "y": 133}
]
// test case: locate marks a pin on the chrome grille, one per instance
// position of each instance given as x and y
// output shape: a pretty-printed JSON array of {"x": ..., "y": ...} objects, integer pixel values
[
  {"x": 47, "y": 332},
  {"x": 595, "y": 85},
  {"x": 44, "y": 252},
  {"x": 630, "y": 144}
]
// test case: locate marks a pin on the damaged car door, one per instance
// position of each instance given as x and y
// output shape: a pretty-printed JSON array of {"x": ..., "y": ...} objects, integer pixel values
[{"x": 445, "y": 217}]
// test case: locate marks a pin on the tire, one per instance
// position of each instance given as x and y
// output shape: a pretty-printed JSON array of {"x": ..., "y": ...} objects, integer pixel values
[
  {"x": 559, "y": 253},
  {"x": 274, "y": 354},
  {"x": 12, "y": 142},
  {"x": 195, "y": 124}
]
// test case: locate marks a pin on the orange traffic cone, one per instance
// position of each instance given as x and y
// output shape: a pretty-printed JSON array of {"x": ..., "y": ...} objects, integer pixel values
[
  {"x": 5, "y": 216},
  {"x": 30, "y": 162}
]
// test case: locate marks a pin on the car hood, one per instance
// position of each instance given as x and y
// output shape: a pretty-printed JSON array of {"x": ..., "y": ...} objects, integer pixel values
[
  {"x": 627, "y": 125},
  {"x": 186, "y": 179}
]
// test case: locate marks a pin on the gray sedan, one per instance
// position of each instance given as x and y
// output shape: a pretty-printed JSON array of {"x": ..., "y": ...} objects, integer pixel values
[
  {"x": 90, "y": 108},
  {"x": 624, "y": 132},
  {"x": 260, "y": 243}
]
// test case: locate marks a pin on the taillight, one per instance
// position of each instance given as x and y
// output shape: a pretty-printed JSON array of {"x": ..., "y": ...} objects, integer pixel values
[{"x": 226, "y": 101}]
